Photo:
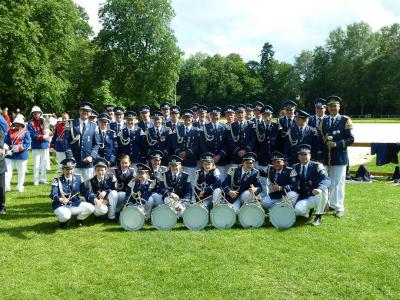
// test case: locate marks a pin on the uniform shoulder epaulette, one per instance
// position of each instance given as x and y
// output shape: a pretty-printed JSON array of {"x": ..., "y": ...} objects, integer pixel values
[
  {"x": 293, "y": 173},
  {"x": 349, "y": 123},
  {"x": 55, "y": 181},
  {"x": 320, "y": 166},
  {"x": 197, "y": 171},
  {"x": 231, "y": 170},
  {"x": 96, "y": 129},
  {"x": 216, "y": 172}
]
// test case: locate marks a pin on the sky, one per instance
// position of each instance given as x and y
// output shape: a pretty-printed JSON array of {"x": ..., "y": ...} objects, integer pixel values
[{"x": 243, "y": 26}]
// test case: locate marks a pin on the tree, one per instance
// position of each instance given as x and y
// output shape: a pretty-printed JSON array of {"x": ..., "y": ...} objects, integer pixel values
[
  {"x": 37, "y": 39},
  {"x": 138, "y": 50}
]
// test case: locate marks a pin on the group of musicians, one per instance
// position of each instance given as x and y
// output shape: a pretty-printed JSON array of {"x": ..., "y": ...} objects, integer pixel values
[{"x": 113, "y": 160}]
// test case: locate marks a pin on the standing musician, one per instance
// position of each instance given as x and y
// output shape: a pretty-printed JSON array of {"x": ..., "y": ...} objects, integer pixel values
[
  {"x": 65, "y": 191},
  {"x": 3, "y": 168},
  {"x": 249, "y": 112},
  {"x": 266, "y": 133},
  {"x": 40, "y": 137},
  {"x": 281, "y": 182},
  {"x": 165, "y": 108},
  {"x": 176, "y": 186},
  {"x": 312, "y": 181},
  {"x": 240, "y": 136},
  {"x": 175, "y": 112},
  {"x": 207, "y": 181},
  {"x": 93, "y": 116},
  {"x": 109, "y": 110},
  {"x": 57, "y": 141},
  {"x": 202, "y": 117},
  {"x": 257, "y": 107},
  {"x": 156, "y": 174},
  {"x": 16, "y": 143},
  {"x": 145, "y": 121},
  {"x": 156, "y": 137},
  {"x": 213, "y": 139},
  {"x": 108, "y": 144},
  {"x": 141, "y": 189},
  {"x": 301, "y": 133},
  {"x": 102, "y": 191},
  {"x": 119, "y": 122},
  {"x": 337, "y": 135},
  {"x": 82, "y": 141},
  {"x": 320, "y": 109},
  {"x": 242, "y": 182},
  {"x": 129, "y": 141},
  {"x": 229, "y": 114},
  {"x": 185, "y": 143},
  {"x": 285, "y": 122}
]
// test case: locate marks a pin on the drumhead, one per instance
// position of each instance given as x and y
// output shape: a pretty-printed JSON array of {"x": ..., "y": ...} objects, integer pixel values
[
  {"x": 163, "y": 217},
  {"x": 251, "y": 215},
  {"x": 282, "y": 215},
  {"x": 195, "y": 217},
  {"x": 132, "y": 218},
  {"x": 223, "y": 216}
]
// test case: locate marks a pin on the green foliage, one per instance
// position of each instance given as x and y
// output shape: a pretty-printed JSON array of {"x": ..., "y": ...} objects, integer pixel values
[
  {"x": 138, "y": 51},
  {"x": 37, "y": 40}
]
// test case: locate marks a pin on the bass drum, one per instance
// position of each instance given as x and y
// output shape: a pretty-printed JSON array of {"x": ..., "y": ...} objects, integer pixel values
[
  {"x": 132, "y": 218},
  {"x": 223, "y": 216},
  {"x": 251, "y": 215},
  {"x": 282, "y": 215},
  {"x": 195, "y": 216},
  {"x": 163, "y": 217}
]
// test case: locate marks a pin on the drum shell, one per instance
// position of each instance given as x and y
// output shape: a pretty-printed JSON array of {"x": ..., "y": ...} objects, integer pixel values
[
  {"x": 230, "y": 214},
  {"x": 251, "y": 215},
  {"x": 282, "y": 215},
  {"x": 131, "y": 213},
  {"x": 164, "y": 210},
  {"x": 196, "y": 216}
]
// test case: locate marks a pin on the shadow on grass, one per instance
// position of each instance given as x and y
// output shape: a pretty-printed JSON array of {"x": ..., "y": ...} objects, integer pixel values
[
  {"x": 21, "y": 232},
  {"x": 28, "y": 210}
]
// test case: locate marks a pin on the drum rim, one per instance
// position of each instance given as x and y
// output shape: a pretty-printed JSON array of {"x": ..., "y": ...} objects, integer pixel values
[
  {"x": 224, "y": 206},
  {"x": 190, "y": 207},
  {"x": 260, "y": 209},
  {"x": 135, "y": 207},
  {"x": 154, "y": 211}
]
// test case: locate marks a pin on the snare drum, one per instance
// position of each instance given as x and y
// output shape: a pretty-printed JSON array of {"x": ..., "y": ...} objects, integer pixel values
[
  {"x": 132, "y": 217},
  {"x": 251, "y": 215},
  {"x": 164, "y": 217},
  {"x": 195, "y": 216},
  {"x": 223, "y": 216},
  {"x": 282, "y": 215}
]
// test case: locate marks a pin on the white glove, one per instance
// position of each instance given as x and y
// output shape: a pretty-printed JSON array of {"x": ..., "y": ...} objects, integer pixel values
[
  {"x": 6, "y": 147},
  {"x": 46, "y": 138},
  {"x": 15, "y": 149}
]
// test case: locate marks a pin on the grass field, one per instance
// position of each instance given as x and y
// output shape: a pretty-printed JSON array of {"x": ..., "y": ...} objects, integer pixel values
[
  {"x": 376, "y": 120},
  {"x": 355, "y": 257}
]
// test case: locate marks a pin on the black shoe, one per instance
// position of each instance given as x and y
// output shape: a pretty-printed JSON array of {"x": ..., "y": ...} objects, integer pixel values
[
  {"x": 317, "y": 220},
  {"x": 310, "y": 213},
  {"x": 62, "y": 225},
  {"x": 3, "y": 211},
  {"x": 331, "y": 209},
  {"x": 79, "y": 223}
]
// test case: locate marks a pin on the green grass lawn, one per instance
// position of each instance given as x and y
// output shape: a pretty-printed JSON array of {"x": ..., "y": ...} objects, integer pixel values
[
  {"x": 356, "y": 257},
  {"x": 376, "y": 120}
]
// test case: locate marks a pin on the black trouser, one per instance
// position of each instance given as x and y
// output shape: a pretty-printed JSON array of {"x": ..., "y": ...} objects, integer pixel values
[{"x": 2, "y": 190}]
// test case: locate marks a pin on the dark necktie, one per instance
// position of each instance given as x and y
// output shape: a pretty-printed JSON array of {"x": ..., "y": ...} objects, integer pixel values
[
  {"x": 301, "y": 133},
  {"x": 332, "y": 120},
  {"x": 158, "y": 132},
  {"x": 118, "y": 127},
  {"x": 319, "y": 121},
  {"x": 240, "y": 127},
  {"x": 83, "y": 128},
  {"x": 303, "y": 172},
  {"x": 289, "y": 122}
]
